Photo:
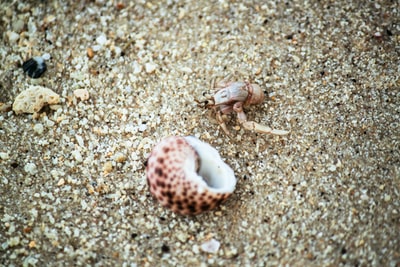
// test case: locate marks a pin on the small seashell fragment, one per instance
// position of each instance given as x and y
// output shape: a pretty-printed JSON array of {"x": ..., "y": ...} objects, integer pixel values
[
  {"x": 34, "y": 67},
  {"x": 188, "y": 176},
  {"x": 38, "y": 128},
  {"x": 33, "y": 99}
]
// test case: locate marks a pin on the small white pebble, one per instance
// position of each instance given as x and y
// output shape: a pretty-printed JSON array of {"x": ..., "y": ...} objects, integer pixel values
[
  {"x": 195, "y": 249},
  {"x": 107, "y": 167},
  {"x": 84, "y": 204},
  {"x": 117, "y": 50},
  {"x": 210, "y": 246},
  {"x": 129, "y": 128},
  {"x": 142, "y": 127},
  {"x": 18, "y": 25},
  {"x": 11, "y": 228},
  {"x": 332, "y": 168},
  {"x": 119, "y": 157},
  {"x": 137, "y": 68},
  {"x": 51, "y": 218},
  {"x": 150, "y": 67},
  {"x": 77, "y": 155},
  {"x": 80, "y": 141},
  {"x": 30, "y": 261},
  {"x": 81, "y": 94},
  {"x": 296, "y": 58},
  {"x": 378, "y": 34},
  {"x": 96, "y": 48},
  {"x": 186, "y": 70},
  {"x": 83, "y": 121},
  {"x": 32, "y": 26},
  {"x": 54, "y": 160},
  {"x": 4, "y": 245},
  {"x": 34, "y": 212},
  {"x": 4, "y": 155},
  {"x": 231, "y": 253},
  {"x": 101, "y": 40},
  {"x": 12, "y": 37},
  {"x": 50, "y": 123},
  {"x": 61, "y": 182},
  {"x": 128, "y": 89},
  {"x": 46, "y": 56},
  {"x": 182, "y": 236},
  {"x": 30, "y": 168},
  {"x": 13, "y": 241},
  {"x": 38, "y": 128}
]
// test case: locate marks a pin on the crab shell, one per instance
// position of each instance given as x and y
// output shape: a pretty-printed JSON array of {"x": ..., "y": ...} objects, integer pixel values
[
  {"x": 248, "y": 93},
  {"x": 188, "y": 176},
  {"x": 256, "y": 95}
]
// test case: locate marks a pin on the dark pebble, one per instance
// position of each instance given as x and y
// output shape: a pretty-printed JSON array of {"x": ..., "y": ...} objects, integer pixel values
[{"x": 34, "y": 67}]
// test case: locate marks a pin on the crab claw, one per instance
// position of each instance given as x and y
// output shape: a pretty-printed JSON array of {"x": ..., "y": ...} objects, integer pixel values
[{"x": 259, "y": 128}]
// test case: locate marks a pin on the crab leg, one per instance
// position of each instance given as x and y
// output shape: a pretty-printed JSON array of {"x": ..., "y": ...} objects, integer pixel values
[
  {"x": 254, "y": 126},
  {"x": 218, "y": 85},
  {"x": 259, "y": 128},
  {"x": 222, "y": 123}
]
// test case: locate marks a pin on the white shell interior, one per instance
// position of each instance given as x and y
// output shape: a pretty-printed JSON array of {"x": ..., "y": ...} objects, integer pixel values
[{"x": 213, "y": 173}]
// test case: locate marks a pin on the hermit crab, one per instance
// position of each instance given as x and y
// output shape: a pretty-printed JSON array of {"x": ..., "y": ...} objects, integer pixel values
[
  {"x": 188, "y": 176},
  {"x": 233, "y": 97}
]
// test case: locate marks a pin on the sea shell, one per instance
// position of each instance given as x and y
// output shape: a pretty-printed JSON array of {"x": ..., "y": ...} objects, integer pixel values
[{"x": 188, "y": 176}]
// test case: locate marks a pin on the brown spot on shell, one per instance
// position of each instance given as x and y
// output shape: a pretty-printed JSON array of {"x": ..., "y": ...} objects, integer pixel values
[
  {"x": 192, "y": 207},
  {"x": 160, "y": 183},
  {"x": 159, "y": 171},
  {"x": 205, "y": 206}
]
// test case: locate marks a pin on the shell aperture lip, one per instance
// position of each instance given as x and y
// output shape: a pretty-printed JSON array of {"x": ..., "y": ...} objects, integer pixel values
[{"x": 216, "y": 173}]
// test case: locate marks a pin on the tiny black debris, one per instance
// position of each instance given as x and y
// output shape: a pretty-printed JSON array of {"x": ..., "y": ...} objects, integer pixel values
[{"x": 165, "y": 248}]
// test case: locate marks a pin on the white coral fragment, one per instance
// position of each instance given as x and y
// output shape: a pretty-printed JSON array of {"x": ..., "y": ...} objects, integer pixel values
[{"x": 34, "y": 99}]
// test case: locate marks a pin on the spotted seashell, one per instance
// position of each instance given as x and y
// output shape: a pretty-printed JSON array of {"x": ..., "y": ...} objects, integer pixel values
[{"x": 188, "y": 176}]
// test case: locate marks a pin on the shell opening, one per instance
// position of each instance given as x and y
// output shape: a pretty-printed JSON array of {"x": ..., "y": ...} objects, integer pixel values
[{"x": 216, "y": 174}]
